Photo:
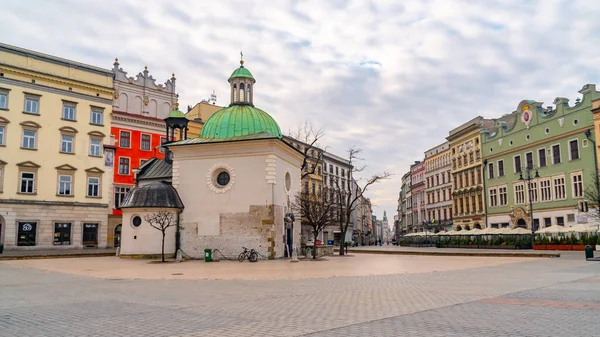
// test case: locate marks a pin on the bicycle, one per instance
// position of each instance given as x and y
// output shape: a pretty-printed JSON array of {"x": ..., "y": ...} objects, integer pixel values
[{"x": 251, "y": 255}]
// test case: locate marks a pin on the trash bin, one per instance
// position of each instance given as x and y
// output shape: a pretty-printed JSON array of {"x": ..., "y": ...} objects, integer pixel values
[
  {"x": 208, "y": 255},
  {"x": 589, "y": 252}
]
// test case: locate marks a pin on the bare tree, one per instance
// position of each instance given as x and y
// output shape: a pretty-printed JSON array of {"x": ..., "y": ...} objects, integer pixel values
[
  {"x": 161, "y": 220},
  {"x": 315, "y": 212},
  {"x": 350, "y": 192},
  {"x": 313, "y": 155},
  {"x": 592, "y": 194}
]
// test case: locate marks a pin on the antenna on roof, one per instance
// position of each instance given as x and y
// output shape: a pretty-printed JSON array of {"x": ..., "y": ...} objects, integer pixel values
[{"x": 213, "y": 98}]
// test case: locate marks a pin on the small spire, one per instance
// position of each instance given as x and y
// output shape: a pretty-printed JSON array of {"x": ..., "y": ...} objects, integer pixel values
[
  {"x": 116, "y": 59},
  {"x": 145, "y": 68},
  {"x": 241, "y": 59},
  {"x": 173, "y": 75}
]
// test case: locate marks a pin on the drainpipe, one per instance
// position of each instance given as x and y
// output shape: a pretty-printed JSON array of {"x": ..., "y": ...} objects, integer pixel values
[
  {"x": 177, "y": 235},
  {"x": 485, "y": 217}
]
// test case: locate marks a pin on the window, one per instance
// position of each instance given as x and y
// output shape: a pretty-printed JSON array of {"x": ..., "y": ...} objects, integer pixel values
[
  {"x": 26, "y": 233},
  {"x": 3, "y": 99},
  {"x": 443, "y": 178},
  {"x": 560, "y": 220},
  {"x": 95, "y": 147},
  {"x": 123, "y": 166},
  {"x": 120, "y": 193},
  {"x": 331, "y": 169},
  {"x": 519, "y": 193},
  {"x": 97, "y": 116},
  {"x": 517, "y": 160},
  {"x": 145, "y": 142},
  {"x": 577, "y": 180},
  {"x": 529, "y": 159},
  {"x": 533, "y": 192},
  {"x": 493, "y": 197},
  {"x": 223, "y": 179},
  {"x": 559, "y": 188},
  {"x": 32, "y": 104},
  {"x": 2, "y": 133},
  {"x": 500, "y": 168},
  {"x": 542, "y": 157},
  {"x": 546, "y": 190},
  {"x": 162, "y": 141},
  {"x": 306, "y": 187},
  {"x": 573, "y": 149},
  {"x": 125, "y": 139},
  {"x": 556, "y": 154},
  {"x": 68, "y": 111},
  {"x": 337, "y": 171},
  {"x": 27, "y": 184},
  {"x": 62, "y": 234},
  {"x": 319, "y": 170},
  {"x": 437, "y": 179},
  {"x": 314, "y": 188},
  {"x": 136, "y": 221},
  {"x": 66, "y": 145},
  {"x": 1, "y": 178},
  {"x": 471, "y": 157},
  {"x": 490, "y": 170},
  {"x": 64, "y": 184},
  {"x": 547, "y": 222},
  {"x": 343, "y": 172},
  {"x": 503, "y": 196},
  {"x": 28, "y": 139},
  {"x": 93, "y": 187},
  {"x": 570, "y": 217}
]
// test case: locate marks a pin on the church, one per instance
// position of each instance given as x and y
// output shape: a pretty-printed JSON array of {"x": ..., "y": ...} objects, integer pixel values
[{"x": 229, "y": 188}]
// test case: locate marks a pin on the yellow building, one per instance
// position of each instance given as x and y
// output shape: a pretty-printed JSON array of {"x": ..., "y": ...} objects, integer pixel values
[
  {"x": 468, "y": 210},
  {"x": 54, "y": 127},
  {"x": 198, "y": 115}
]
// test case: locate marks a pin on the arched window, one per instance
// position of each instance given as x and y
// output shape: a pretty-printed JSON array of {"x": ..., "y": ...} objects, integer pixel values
[
  {"x": 242, "y": 98},
  {"x": 235, "y": 92},
  {"x": 248, "y": 94}
]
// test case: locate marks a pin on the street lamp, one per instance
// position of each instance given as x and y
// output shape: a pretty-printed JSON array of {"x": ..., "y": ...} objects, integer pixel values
[{"x": 528, "y": 170}]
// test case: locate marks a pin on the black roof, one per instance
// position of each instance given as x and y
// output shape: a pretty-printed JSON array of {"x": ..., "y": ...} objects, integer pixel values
[
  {"x": 155, "y": 169},
  {"x": 152, "y": 195}
]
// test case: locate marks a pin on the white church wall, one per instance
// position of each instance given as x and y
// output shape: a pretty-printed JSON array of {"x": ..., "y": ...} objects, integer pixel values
[
  {"x": 144, "y": 239},
  {"x": 249, "y": 211}
]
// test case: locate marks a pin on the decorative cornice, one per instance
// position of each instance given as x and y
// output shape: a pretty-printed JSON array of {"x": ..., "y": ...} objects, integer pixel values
[
  {"x": 94, "y": 170},
  {"x": 96, "y": 134},
  {"x": 31, "y": 124},
  {"x": 68, "y": 129},
  {"x": 56, "y": 90},
  {"x": 120, "y": 116},
  {"x": 51, "y": 203},
  {"x": 66, "y": 167},
  {"x": 29, "y": 164},
  {"x": 54, "y": 78}
]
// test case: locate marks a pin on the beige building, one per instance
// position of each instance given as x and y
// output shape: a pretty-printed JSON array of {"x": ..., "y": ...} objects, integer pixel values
[
  {"x": 438, "y": 188},
  {"x": 199, "y": 114},
  {"x": 54, "y": 126},
  {"x": 467, "y": 165}
]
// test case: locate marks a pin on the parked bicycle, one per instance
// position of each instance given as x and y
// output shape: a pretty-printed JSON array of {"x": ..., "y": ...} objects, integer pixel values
[{"x": 249, "y": 254}]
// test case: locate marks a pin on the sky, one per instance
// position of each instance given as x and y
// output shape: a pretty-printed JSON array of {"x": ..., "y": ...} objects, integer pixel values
[{"x": 388, "y": 77}]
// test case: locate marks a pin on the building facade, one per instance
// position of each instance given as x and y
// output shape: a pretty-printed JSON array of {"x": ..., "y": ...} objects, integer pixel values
[
  {"x": 336, "y": 174},
  {"x": 139, "y": 109},
  {"x": 548, "y": 145},
  {"x": 467, "y": 195},
  {"x": 403, "y": 202},
  {"x": 54, "y": 126},
  {"x": 417, "y": 173},
  {"x": 438, "y": 188}
]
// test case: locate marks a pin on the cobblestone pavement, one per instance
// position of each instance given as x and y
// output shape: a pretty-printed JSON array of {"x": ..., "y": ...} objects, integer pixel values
[{"x": 537, "y": 297}]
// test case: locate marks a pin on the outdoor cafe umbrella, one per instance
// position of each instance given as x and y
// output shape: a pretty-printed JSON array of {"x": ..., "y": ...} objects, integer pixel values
[
  {"x": 520, "y": 231},
  {"x": 489, "y": 230},
  {"x": 581, "y": 228},
  {"x": 551, "y": 230}
]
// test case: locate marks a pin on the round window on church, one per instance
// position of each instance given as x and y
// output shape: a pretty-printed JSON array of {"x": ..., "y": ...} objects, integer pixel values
[
  {"x": 288, "y": 181},
  {"x": 223, "y": 179},
  {"x": 136, "y": 221}
]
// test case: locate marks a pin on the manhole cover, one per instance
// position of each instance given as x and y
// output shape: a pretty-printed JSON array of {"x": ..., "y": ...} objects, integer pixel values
[{"x": 177, "y": 274}]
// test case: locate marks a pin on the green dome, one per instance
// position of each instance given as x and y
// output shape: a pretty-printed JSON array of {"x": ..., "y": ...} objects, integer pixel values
[
  {"x": 239, "y": 120},
  {"x": 241, "y": 72},
  {"x": 176, "y": 114}
]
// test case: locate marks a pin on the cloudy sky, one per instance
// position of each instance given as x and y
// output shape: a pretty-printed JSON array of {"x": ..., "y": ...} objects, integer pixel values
[{"x": 390, "y": 77}]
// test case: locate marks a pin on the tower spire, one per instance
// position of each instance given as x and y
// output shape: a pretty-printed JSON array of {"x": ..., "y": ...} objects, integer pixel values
[{"x": 241, "y": 59}]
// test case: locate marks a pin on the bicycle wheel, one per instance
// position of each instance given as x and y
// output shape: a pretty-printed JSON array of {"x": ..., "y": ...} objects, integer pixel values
[
  {"x": 241, "y": 257},
  {"x": 253, "y": 257}
]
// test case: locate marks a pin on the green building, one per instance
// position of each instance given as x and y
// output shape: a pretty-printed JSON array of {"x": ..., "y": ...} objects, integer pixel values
[{"x": 550, "y": 146}]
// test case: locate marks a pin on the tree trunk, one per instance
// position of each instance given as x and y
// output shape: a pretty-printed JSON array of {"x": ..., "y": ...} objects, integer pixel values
[
  {"x": 163, "y": 246},
  {"x": 314, "y": 250}
]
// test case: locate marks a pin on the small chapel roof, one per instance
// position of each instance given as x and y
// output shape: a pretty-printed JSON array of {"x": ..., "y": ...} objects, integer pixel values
[
  {"x": 153, "y": 195},
  {"x": 155, "y": 169}
]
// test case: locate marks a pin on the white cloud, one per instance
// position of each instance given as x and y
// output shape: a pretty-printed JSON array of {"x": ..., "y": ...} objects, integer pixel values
[{"x": 389, "y": 77}]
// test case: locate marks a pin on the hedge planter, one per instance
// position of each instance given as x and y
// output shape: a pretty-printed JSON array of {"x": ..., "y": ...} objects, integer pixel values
[
  {"x": 552, "y": 247},
  {"x": 578, "y": 247},
  {"x": 564, "y": 247}
]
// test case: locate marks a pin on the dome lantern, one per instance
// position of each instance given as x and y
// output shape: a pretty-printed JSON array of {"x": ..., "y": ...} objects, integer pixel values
[{"x": 241, "y": 84}]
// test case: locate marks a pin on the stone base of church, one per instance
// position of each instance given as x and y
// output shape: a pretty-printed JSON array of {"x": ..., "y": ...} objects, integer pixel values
[{"x": 262, "y": 229}]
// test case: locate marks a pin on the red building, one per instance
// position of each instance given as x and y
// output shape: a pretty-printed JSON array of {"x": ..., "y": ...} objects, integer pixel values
[{"x": 140, "y": 107}]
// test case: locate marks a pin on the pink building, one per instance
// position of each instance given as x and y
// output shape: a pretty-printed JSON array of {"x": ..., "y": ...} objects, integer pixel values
[{"x": 417, "y": 186}]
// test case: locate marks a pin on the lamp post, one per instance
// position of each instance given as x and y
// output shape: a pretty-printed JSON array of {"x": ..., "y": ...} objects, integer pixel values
[
  {"x": 528, "y": 170},
  {"x": 588, "y": 135}
]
